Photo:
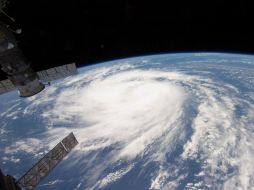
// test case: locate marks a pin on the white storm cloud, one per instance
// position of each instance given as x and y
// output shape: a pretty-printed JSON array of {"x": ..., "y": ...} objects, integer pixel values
[{"x": 143, "y": 113}]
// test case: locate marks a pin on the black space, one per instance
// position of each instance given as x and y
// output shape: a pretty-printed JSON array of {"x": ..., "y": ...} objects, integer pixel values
[{"x": 89, "y": 31}]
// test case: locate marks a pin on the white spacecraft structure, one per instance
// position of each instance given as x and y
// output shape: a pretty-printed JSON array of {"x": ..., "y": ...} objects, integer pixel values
[{"x": 20, "y": 74}]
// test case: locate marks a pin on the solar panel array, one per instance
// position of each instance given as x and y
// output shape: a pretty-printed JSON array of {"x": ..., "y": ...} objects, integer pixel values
[
  {"x": 44, "y": 76},
  {"x": 42, "y": 168},
  {"x": 57, "y": 72}
]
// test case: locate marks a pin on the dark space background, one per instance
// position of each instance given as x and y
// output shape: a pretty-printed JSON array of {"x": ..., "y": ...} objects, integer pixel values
[{"x": 58, "y": 32}]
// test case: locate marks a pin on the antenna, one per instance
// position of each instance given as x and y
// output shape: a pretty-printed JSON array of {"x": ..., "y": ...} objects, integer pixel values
[{"x": 3, "y": 5}]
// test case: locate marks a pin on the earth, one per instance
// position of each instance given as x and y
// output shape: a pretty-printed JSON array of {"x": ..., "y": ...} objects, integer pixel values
[{"x": 169, "y": 121}]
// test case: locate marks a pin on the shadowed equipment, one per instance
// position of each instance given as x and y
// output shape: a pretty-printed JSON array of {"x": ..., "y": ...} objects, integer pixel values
[{"x": 20, "y": 75}]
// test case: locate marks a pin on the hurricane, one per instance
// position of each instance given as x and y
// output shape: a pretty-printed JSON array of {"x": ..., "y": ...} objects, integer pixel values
[{"x": 154, "y": 122}]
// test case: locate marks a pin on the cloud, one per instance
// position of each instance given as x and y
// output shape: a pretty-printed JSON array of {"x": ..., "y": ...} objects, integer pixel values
[
  {"x": 112, "y": 177},
  {"x": 131, "y": 108},
  {"x": 11, "y": 112},
  {"x": 11, "y": 159},
  {"x": 156, "y": 117},
  {"x": 29, "y": 145}
]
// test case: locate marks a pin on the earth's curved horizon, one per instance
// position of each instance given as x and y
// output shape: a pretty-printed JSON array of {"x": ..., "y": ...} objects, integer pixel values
[{"x": 169, "y": 121}]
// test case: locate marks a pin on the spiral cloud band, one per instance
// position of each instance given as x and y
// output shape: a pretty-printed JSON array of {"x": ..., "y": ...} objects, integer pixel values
[{"x": 186, "y": 126}]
